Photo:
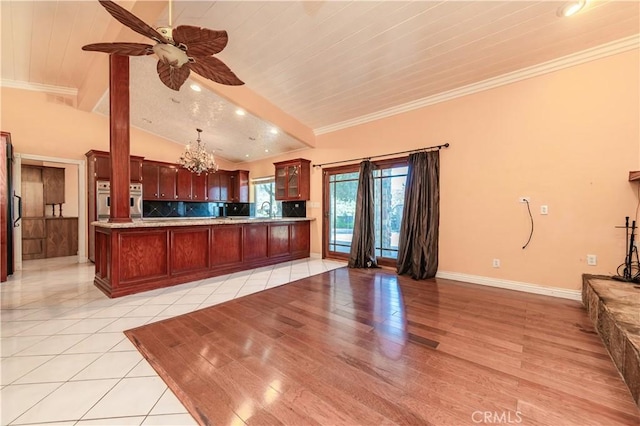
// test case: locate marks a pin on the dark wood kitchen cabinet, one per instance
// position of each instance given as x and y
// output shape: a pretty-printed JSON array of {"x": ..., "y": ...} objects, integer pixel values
[
  {"x": 239, "y": 186},
  {"x": 218, "y": 186},
  {"x": 293, "y": 180},
  {"x": 131, "y": 259},
  {"x": 191, "y": 186},
  {"x": 159, "y": 181},
  {"x": 99, "y": 165}
]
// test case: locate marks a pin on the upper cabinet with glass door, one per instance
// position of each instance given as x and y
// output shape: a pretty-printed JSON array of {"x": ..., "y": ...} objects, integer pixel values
[{"x": 292, "y": 180}]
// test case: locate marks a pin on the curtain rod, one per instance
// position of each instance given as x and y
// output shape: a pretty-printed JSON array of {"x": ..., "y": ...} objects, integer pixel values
[{"x": 446, "y": 145}]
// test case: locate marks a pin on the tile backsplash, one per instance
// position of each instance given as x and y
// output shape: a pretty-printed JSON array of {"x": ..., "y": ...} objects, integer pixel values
[
  {"x": 179, "y": 209},
  {"x": 294, "y": 209},
  {"x": 182, "y": 209},
  {"x": 238, "y": 209}
]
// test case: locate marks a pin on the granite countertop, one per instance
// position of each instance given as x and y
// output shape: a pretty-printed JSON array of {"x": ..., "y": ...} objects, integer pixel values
[{"x": 164, "y": 222}]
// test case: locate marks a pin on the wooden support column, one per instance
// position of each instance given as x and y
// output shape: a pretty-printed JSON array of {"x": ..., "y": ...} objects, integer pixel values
[{"x": 119, "y": 137}]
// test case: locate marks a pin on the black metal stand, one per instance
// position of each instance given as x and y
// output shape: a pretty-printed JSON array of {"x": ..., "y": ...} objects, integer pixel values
[{"x": 629, "y": 271}]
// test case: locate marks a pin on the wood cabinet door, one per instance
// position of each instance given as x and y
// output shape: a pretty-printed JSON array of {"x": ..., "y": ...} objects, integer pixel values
[
  {"x": 226, "y": 246},
  {"x": 62, "y": 236},
  {"x": 136, "y": 171},
  {"x": 225, "y": 187},
  {"x": 254, "y": 242},
  {"x": 102, "y": 167},
  {"x": 183, "y": 185},
  {"x": 281, "y": 183},
  {"x": 300, "y": 237},
  {"x": 199, "y": 187},
  {"x": 279, "y": 240},
  {"x": 149, "y": 181},
  {"x": 53, "y": 179},
  {"x": 167, "y": 182},
  {"x": 242, "y": 186},
  {"x": 190, "y": 249},
  {"x": 213, "y": 186}
]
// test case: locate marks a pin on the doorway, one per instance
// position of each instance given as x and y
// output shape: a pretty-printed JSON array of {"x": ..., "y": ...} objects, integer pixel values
[
  {"x": 340, "y": 191},
  {"x": 79, "y": 203}
]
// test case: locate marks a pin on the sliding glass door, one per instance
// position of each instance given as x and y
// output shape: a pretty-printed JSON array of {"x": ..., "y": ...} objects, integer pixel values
[{"x": 340, "y": 191}]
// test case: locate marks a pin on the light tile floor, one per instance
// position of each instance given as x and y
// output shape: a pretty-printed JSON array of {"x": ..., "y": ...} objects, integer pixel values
[{"x": 64, "y": 359}]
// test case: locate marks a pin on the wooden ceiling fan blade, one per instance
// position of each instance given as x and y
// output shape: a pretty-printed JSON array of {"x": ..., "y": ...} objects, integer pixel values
[
  {"x": 172, "y": 77},
  {"x": 127, "y": 49},
  {"x": 130, "y": 20},
  {"x": 214, "y": 69},
  {"x": 200, "y": 41}
]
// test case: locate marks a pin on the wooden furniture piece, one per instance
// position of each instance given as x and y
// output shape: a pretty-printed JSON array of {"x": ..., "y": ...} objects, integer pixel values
[
  {"x": 6, "y": 225},
  {"x": 45, "y": 236},
  {"x": 293, "y": 180},
  {"x": 61, "y": 236},
  {"x": 53, "y": 180},
  {"x": 141, "y": 256},
  {"x": 159, "y": 181},
  {"x": 99, "y": 169},
  {"x": 191, "y": 186},
  {"x": 239, "y": 186},
  {"x": 33, "y": 223},
  {"x": 634, "y": 176}
]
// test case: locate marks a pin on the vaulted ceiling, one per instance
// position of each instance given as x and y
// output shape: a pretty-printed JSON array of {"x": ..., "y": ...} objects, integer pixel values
[{"x": 319, "y": 64}]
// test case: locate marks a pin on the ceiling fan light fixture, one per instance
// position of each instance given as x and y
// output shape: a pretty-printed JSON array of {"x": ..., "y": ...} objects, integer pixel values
[{"x": 571, "y": 8}]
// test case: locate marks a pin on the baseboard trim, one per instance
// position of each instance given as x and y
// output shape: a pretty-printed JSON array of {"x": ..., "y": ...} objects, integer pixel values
[
  {"x": 315, "y": 255},
  {"x": 512, "y": 285}
]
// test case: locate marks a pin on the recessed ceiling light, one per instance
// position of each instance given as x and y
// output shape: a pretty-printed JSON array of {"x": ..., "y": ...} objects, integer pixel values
[
  {"x": 247, "y": 155},
  {"x": 274, "y": 130},
  {"x": 266, "y": 150},
  {"x": 571, "y": 8},
  {"x": 240, "y": 112},
  {"x": 195, "y": 88}
]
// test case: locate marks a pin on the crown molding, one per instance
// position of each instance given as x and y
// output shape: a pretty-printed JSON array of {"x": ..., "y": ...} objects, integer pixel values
[
  {"x": 592, "y": 54},
  {"x": 562, "y": 293},
  {"x": 36, "y": 87}
]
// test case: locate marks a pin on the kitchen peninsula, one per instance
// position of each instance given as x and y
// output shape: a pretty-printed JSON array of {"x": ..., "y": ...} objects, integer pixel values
[{"x": 137, "y": 256}]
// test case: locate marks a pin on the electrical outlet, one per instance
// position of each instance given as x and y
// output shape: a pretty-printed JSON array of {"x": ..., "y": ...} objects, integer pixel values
[
  {"x": 544, "y": 209},
  {"x": 496, "y": 263},
  {"x": 592, "y": 260},
  {"x": 524, "y": 200}
]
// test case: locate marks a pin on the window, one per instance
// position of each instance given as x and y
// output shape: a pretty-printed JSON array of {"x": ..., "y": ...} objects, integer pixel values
[
  {"x": 389, "y": 184},
  {"x": 264, "y": 197},
  {"x": 341, "y": 189}
]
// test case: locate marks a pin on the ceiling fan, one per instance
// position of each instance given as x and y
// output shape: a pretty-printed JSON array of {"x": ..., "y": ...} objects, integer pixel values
[{"x": 180, "y": 50}]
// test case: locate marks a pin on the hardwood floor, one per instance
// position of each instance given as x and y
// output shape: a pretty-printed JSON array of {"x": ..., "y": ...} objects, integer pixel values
[{"x": 368, "y": 347}]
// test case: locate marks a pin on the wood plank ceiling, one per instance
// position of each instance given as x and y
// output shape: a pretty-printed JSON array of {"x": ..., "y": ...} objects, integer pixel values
[{"x": 324, "y": 62}]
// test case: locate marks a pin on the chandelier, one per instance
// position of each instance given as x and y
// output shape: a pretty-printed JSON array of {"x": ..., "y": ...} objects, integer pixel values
[{"x": 198, "y": 160}]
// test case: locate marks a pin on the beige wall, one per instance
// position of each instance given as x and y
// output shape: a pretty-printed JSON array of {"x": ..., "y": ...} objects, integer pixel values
[{"x": 566, "y": 139}]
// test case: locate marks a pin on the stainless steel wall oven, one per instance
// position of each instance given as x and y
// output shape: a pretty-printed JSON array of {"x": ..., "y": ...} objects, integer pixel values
[{"x": 103, "y": 200}]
